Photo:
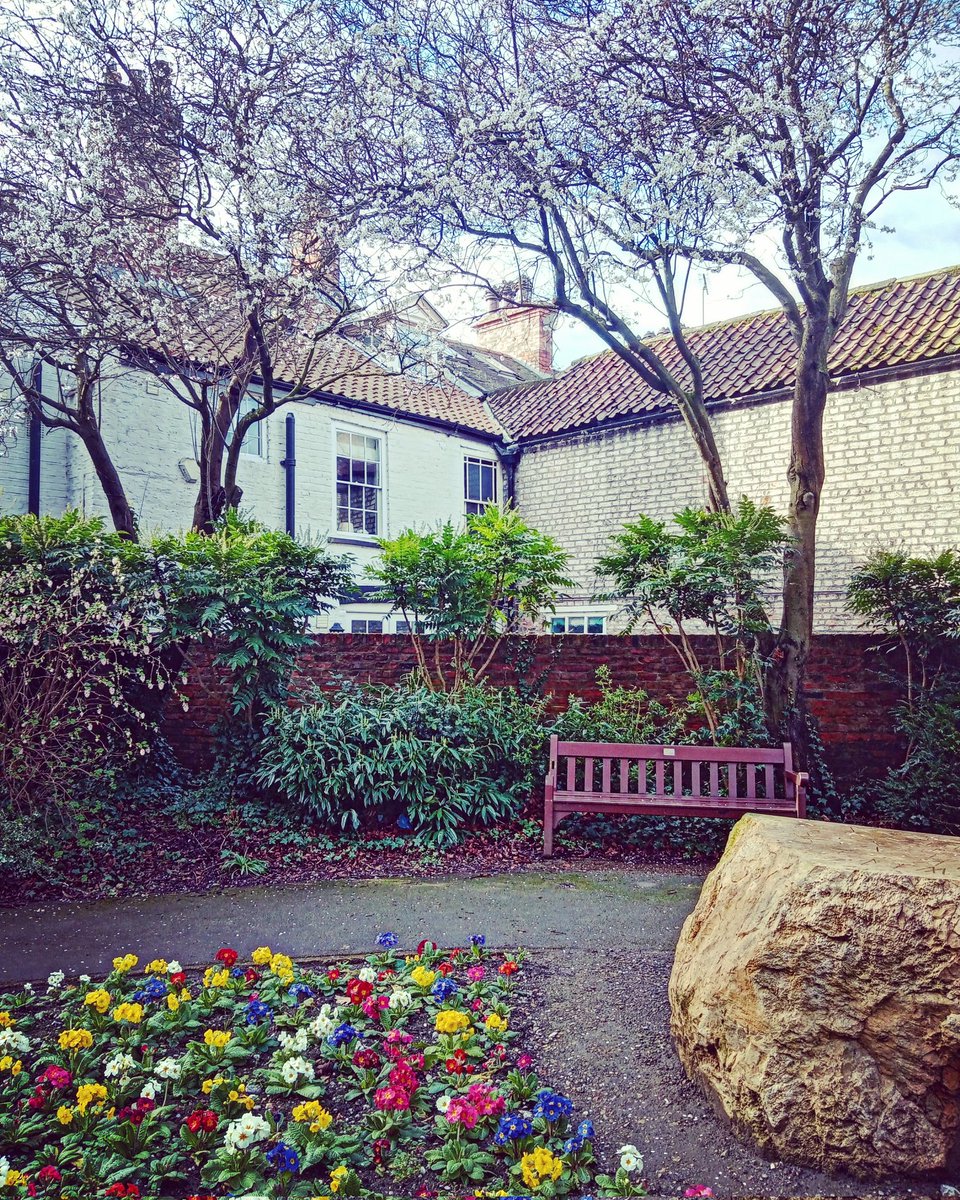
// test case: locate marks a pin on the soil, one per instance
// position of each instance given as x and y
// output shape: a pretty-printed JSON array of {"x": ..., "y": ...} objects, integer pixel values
[
  {"x": 598, "y": 1027},
  {"x": 157, "y": 855}
]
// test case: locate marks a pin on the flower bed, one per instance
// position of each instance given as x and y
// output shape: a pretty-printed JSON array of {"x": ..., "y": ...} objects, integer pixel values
[{"x": 398, "y": 1077}]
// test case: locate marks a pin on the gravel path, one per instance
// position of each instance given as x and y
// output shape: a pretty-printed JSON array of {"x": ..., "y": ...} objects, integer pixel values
[{"x": 600, "y": 1021}]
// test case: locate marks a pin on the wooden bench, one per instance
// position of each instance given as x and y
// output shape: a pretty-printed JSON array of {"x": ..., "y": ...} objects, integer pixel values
[{"x": 693, "y": 781}]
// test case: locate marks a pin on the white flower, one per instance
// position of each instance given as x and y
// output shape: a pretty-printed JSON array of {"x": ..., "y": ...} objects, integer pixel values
[
  {"x": 13, "y": 1042},
  {"x": 120, "y": 1064},
  {"x": 245, "y": 1132},
  {"x": 149, "y": 1090},
  {"x": 167, "y": 1068},
  {"x": 55, "y": 979},
  {"x": 174, "y": 968},
  {"x": 630, "y": 1158},
  {"x": 28, "y": 987},
  {"x": 443, "y": 1103},
  {"x": 367, "y": 974},
  {"x": 83, "y": 979},
  {"x": 325, "y": 1022},
  {"x": 400, "y": 998},
  {"x": 295, "y": 1069},
  {"x": 4, "y": 1167},
  {"x": 295, "y": 1042}
]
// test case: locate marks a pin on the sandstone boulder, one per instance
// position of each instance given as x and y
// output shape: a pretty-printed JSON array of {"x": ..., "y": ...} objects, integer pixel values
[{"x": 815, "y": 994}]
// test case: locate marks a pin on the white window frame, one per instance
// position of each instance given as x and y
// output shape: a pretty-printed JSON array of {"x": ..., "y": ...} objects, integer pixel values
[
  {"x": 585, "y": 618},
  {"x": 254, "y": 444},
  {"x": 366, "y": 622},
  {"x": 355, "y": 535},
  {"x": 480, "y": 505}
]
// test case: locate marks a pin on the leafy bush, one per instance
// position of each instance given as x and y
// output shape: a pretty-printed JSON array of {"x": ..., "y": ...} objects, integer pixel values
[
  {"x": 445, "y": 762},
  {"x": 915, "y": 603},
  {"x": 254, "y": 590},
  {"x": 706, "y": 575},
  {"x": 80, "y": 671},
  {"x": 470, "y": 585}
]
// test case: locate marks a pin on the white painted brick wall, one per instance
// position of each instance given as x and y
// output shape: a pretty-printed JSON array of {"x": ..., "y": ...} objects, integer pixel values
[{"x": 893, "y": 479}]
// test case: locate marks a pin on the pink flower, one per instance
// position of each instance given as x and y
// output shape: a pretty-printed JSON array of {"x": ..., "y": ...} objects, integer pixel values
[
  {"x": 383, "y": 1002},
  {"x": 699, "y": 1190},
  {"x": 524, "y": 1062},
  {"x": 369, "y": 1006},
  {"x": 403, "y": 1077},
  {"x": 486, "y": 1101},
  {"x": 475, "y": 974},
  {"x": 391, "y": 1099},
  {"x": 477, "y": 1004},
  {"x": 57, "y": 1077},
  {"x": 462, "y": 1112}
]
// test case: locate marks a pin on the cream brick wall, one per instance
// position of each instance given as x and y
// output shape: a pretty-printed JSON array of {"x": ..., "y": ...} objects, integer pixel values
[{"x": 892, "y": 463}]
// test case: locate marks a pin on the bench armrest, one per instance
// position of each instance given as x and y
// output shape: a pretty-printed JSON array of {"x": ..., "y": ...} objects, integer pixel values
[
  {"x": 800, "y": 781},
  {"x": 551, "y": 780}
]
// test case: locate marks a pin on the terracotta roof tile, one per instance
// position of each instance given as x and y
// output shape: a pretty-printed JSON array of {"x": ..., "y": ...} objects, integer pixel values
[{"x": 895, "y": 323}]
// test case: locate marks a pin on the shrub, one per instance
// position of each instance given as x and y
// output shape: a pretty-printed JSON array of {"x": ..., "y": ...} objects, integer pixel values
[
  {"x": 253, "y": 590},
  {"x": 80, "y": 673},
  {"x": 445, "y": 762}
]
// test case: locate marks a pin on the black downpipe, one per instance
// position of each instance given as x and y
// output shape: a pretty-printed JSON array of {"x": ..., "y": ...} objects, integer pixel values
[
  {"x": 36, "y": 434},
  {"x": 510, "y": 457},
  {"x": 289, "y": 464}
]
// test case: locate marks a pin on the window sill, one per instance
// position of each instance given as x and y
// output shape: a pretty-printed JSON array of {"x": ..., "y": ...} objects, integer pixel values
[{"x": 347, "y": 539}]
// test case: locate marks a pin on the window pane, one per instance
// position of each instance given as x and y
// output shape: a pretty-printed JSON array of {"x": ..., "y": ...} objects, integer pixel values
[
  {"x": 343, "y": 468},
  {"x": 343, "y": 444},
  {"x": 488, "y": 483},
  {"x": 574, "y": 624},
  {"x": 403, "y": 626},
  {"x": 594, "y": 624},
  {"x": 374, "y": 627},
  {"x": 558, "y": 625},
  {"x": 358, "y": 627},
  {"x": 473, "y": 481}
]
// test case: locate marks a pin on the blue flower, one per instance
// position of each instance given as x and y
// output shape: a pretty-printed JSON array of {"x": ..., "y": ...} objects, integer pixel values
[
  {"x": 257, "y": 1011},
  {"x": 552, "y": 1106},
  {"x": 238, "y": 972},
  {"x": 299, "y": 991},
  {"x": 573, "y": 1145},
  {"x": 512, "y": 1127},
  {"x": 477, "y": 939},
  {"x": 342, "y": 1034},
  {"x": 156, "y": 989},
  {"x": 585, "y": 1130},
  {"x": 404, "y": 822},
  {"x": 387, "y": 940},
  {"x": 443, "y": 989},
  {"x": 284, "y": 1158}
]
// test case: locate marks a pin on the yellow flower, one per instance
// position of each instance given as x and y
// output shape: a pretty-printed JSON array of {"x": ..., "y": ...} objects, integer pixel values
[
  {"x": 75, "y": 1039},
  {"x": 336, "y": 1176},
  {"x": 217, "y": 1038},
  {"x": 209, "y": 1084},
  {"x": 15, "y": 1178},
  {"x": 280, "y": 964},
  {"x": 90, "y": 1094},
  {"x": 17, "y": 1067},
  {"x": 172, "y": 1002},
  {"x": 6, "y": 1021},
  {"x": 495, "y": 1023},
  {"x": 157, "y": 967},
  {"x": 451, "y": 1021},
  {"x": 315, "y": 1114},
  {"x": 131, "y": 1013},
  {"x": 422, "y": 977},
  {"x": 98, "y": 999},
  {"x": 64, "y": 1114},
  {"x": 539, "y": 1166},
  {"x": 6, "y": 1063},
  {"x": 126, "y": 963},
  {"x": 213, "y": 977},
  {"x": 262, "y": 955}
]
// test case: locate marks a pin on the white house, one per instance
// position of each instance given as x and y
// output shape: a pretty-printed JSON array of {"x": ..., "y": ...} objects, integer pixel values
[{"x": 580, "y": 451}]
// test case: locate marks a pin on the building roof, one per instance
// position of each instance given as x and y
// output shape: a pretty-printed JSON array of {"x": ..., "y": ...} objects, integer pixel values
[
  {"x": 344, "y": 373},
  {"x": 902, "y": 322},
  {"x": 487, "y": 370}
]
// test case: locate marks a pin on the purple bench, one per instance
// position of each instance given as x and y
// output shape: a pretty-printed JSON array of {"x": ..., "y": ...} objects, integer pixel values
[{"x": 693, "y": 781}]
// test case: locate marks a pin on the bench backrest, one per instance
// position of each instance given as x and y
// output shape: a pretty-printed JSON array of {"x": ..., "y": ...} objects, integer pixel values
[{"x": 737, "y": 772}]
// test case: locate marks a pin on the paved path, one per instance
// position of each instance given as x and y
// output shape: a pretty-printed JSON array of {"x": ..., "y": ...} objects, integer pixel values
[{"x": 541, "y": 910}]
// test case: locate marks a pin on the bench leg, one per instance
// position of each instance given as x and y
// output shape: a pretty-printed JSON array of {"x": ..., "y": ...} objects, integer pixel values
[{"x": 548, "y": 828}]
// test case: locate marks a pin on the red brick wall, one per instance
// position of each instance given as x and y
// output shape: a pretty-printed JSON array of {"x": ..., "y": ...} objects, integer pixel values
[{"x": 845, "y": 691}]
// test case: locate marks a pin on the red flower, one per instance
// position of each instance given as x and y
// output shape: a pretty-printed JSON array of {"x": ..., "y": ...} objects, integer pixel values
[
  {"x": 380, "y": 1147},
  {"x": 178, "y": 978},
  {"x": 57, "y": 1077},
  {"x": 368, "y": 1060},
  {"x": 250, "y": 975},
  {"x": 524, "y": 1061},
  {"x": 333, "y": 974},
  {"x": 509, "y": 967},
  {"x": 123, "y": 1189},
  {"x": 227, "y": 956},
  {"x": 37, "y": 1099},
  {"x": 49, "y": 1174},
  {"x": 426, "y": 944},
  {"x": 403, "y": 1076},
  {"x": 202, "y": 1119},
  {"x": 358, "y": 990}
]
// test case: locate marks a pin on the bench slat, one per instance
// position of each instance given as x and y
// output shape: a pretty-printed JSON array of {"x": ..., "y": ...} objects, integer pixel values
[
  {"x": 624, "y": 776},
  {"x": 720, "y": 754},
  {"x": 677, "y": 777},
  {"x": 571, "y": 774},
  {"x": 696, "y": 778},
  {"x": 605, "y": 775},
  {"x": 751, "y": 782},
  {"x": 732, "y": 781},
  {"x": 658, "y": 782},
  {"x": 714, "y": 779}
]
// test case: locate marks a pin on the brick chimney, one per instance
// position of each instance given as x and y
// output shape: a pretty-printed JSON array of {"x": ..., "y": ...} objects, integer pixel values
[{"x": 511, "y": 327}]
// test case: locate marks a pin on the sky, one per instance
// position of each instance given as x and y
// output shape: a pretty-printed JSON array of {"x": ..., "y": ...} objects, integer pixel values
[{"x": 925, "y": 236}]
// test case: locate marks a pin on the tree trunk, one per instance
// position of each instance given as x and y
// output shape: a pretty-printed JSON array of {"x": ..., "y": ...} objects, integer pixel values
[
  {"x": 783, "y": 690},
  {"x": 121, "y": 513}
]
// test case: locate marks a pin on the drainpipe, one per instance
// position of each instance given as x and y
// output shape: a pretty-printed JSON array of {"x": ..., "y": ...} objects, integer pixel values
[
  {"x": 36, "y": 433},
  {"x": 510, "y": 457},
  {"x": 289, "y": 464}
]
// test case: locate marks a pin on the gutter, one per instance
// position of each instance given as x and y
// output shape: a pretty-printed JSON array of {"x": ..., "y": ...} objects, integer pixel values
[
  {"x": 35, "y": 443},
  {"x": 289, "y": 464}
]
